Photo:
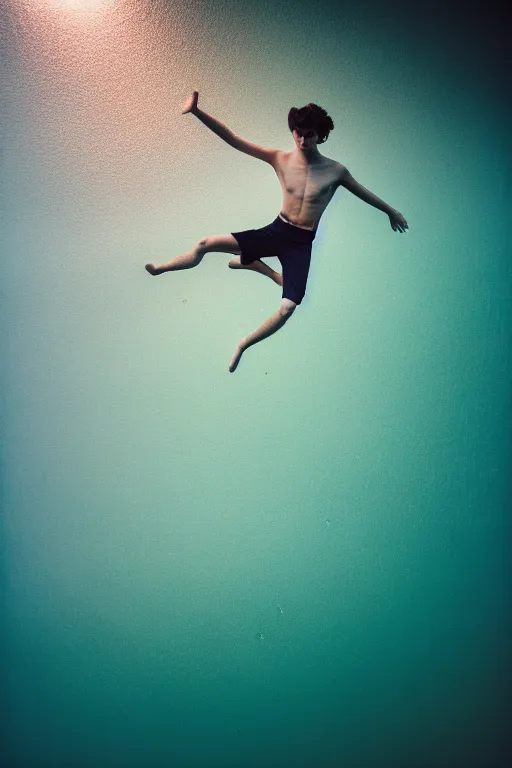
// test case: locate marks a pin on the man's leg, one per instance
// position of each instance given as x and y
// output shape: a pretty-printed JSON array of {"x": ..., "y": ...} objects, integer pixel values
[
  {"x": 222, "y": 243},
  {"x": 270, "y": 326},
  {"x": 258, "y": 266},
  {"x": 184, "y": 261},
  {"x": 213, "y": 243}
]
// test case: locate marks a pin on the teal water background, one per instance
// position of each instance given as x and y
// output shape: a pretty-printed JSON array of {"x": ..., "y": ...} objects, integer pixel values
[{"x": 303, "y": 563}]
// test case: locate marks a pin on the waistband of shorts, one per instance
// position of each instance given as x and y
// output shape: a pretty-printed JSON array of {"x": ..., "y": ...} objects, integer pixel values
[{"x": 304, "y": 234}]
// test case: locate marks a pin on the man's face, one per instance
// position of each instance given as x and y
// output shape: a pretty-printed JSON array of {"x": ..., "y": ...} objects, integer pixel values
[{"x": 305, "y": 138}]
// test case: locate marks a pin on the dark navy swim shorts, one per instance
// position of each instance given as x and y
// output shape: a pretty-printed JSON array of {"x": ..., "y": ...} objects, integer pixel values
[{"x": 292, "y": 246}]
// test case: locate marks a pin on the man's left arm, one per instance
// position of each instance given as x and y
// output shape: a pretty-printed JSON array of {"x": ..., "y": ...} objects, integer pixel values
[{"x": 348, "y": 181}]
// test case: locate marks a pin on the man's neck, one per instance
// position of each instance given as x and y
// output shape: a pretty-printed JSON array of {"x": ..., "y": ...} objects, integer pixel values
[{"x": 311, "y": 157}]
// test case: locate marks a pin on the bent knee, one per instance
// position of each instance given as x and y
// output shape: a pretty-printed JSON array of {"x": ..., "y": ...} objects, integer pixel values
[
  {"x": 287, "y": 307},
  {"x": 223, "y": 243}
]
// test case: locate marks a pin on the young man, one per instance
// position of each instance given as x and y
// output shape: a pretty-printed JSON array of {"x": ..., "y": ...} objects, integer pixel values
[{"x": 309, "y": 181}]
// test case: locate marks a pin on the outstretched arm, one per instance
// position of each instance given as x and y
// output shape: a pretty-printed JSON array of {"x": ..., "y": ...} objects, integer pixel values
[
  {"x": 396, "y": 218},
  {"x": 214, "y": 125},
  {"x": 261, "y": 153}
]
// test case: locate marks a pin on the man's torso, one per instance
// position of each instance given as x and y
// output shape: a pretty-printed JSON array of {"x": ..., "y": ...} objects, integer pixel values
[{"x": 307, "y": 189}]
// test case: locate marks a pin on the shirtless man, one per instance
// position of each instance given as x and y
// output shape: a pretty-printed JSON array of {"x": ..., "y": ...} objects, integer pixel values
[{"x": 309, "y": 181}]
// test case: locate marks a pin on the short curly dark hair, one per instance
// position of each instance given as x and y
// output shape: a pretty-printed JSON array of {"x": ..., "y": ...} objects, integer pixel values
[{"x": 311, "y": 116}]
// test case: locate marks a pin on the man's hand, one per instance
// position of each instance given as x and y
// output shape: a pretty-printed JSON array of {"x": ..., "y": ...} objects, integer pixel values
[
  {"x": 190, "y": 104},
  {"x": 398, "y": 222}
]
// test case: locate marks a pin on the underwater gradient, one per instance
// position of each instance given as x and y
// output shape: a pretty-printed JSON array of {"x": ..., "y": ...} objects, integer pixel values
[{"x": 305, "y": 562}]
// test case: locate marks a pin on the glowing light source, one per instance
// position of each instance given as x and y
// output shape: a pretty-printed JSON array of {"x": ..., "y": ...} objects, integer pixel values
[{"x": 81, "y": 5}]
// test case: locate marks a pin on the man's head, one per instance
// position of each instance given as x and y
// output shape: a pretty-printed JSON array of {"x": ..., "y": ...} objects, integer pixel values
[{"x": 310, "y": 125}]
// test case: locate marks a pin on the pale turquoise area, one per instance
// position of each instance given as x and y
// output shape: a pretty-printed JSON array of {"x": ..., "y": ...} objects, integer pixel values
[{"x": 302, "y": 563}]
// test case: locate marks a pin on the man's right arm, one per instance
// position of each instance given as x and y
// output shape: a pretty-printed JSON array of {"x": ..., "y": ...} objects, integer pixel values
[
  {"x": 216, "y": 126},
  {"x": 261, "y": 153}
]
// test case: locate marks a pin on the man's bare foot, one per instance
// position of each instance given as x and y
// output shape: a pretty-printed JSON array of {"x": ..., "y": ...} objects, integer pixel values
[
  {"x": 258, "y": 266},
  {"x": 236, "y": 357},
  {"x": 152, "y": 269}
]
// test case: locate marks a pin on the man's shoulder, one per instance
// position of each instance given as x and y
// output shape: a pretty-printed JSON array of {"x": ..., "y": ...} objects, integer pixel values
[
  {"x": 338, "y": 167},
  {"x": 333, "y": 165},
  {"x": 340, "y": 171},
  {"x": 335, "y": 169}
]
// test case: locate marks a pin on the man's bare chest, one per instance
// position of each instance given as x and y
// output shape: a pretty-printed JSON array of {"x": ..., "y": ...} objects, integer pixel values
[{"x": 308, "y": 182}]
